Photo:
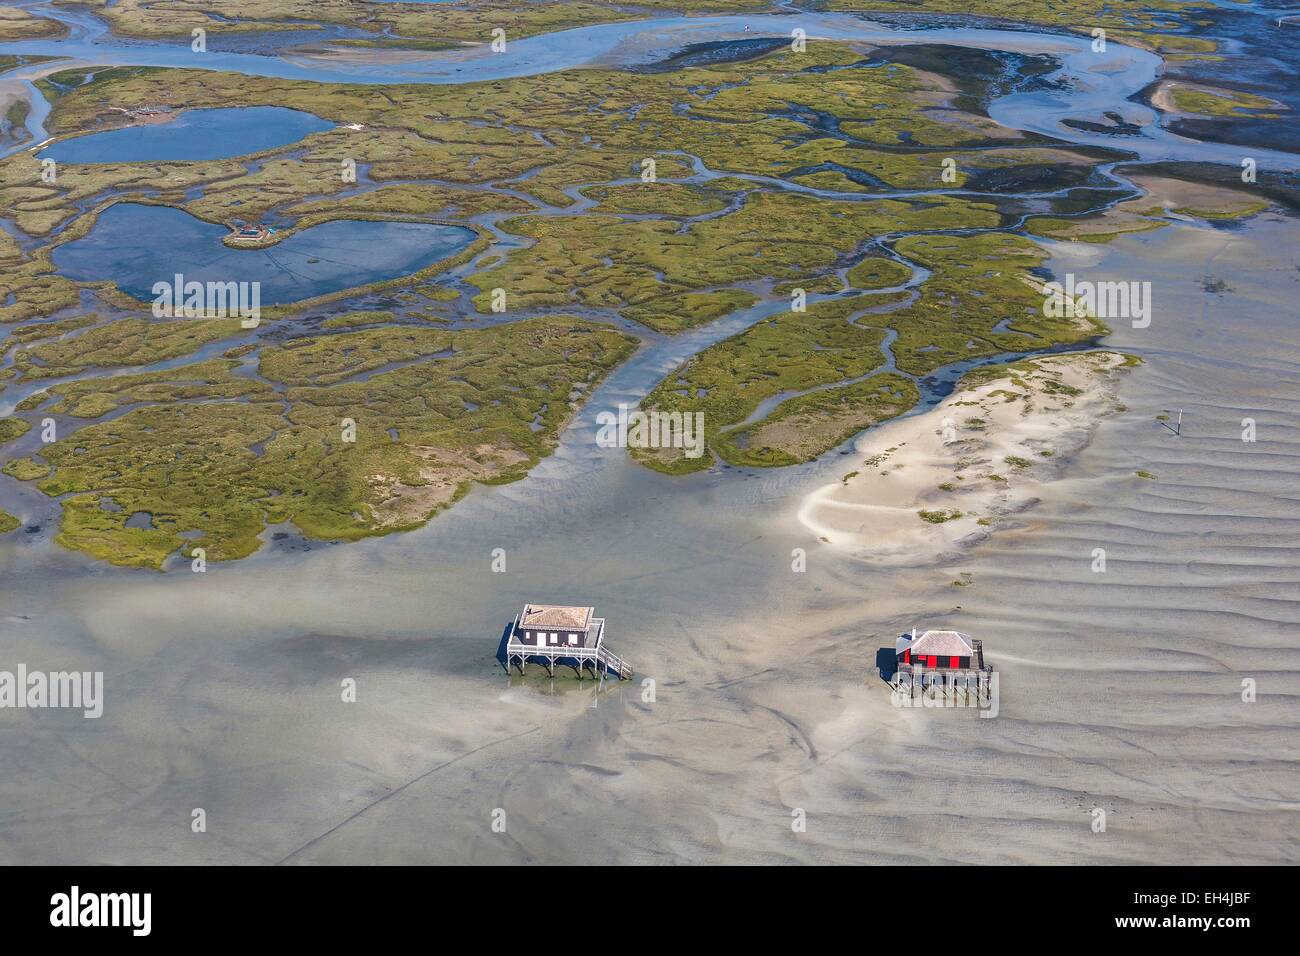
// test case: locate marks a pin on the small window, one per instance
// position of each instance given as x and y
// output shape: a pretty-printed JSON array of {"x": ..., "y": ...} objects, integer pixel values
[
  {"x": 555, "y": 638},
  {"x": 573, "y": 639}
]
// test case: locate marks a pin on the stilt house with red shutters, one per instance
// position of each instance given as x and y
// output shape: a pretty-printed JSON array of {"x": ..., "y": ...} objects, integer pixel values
[{"x": 940, "y": 657}]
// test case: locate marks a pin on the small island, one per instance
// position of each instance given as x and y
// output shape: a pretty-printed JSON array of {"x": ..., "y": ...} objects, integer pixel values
[{"x": 251, "y": 237}]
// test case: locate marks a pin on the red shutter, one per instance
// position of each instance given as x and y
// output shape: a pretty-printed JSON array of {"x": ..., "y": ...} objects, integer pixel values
[
  {"x": 954, "y": 662},
  {"x": 932, "y": 661},
  {"x": 907, "y": 657}
]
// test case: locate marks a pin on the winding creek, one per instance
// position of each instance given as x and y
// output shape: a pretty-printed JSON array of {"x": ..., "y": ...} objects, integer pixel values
[
  {"x": 223, "y": 685},
  {"x": 128, "y": 238},
  {"x": 1086, "y": 86}
]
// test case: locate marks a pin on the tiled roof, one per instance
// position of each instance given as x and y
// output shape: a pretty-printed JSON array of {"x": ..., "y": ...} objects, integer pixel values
[
  {"x": 556, "y": 615},
  {"x": 942, "y": 644}
]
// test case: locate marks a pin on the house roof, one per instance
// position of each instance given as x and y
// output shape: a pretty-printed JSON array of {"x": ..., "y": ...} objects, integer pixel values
[
  {"x": 943, "y": 644},
  {"x": 556, "y": 615}
]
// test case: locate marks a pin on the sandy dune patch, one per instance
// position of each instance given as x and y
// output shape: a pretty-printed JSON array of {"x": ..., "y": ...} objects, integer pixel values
[{"x": 933, "y": 483}]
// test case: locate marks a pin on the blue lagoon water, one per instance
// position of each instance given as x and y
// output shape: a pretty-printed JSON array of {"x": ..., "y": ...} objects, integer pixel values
[
  {"x": 193, "y": 135},
  {"x": 134, "y": 246}
]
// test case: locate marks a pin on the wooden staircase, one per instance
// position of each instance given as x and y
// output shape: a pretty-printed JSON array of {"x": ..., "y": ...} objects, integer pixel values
[{"x": 614, "y": 663}]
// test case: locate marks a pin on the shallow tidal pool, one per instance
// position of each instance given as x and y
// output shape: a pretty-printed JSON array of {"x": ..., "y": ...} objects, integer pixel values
[
  {"x": 192, "y": 136},
  {"x": 135, "y": 246}
]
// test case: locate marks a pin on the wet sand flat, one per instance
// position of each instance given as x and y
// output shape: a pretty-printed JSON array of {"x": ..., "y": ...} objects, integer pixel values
[{"x": 1119, "y": 691}]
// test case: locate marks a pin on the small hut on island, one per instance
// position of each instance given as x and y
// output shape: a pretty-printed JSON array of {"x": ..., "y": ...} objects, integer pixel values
[{"x": 251, "y": 236}]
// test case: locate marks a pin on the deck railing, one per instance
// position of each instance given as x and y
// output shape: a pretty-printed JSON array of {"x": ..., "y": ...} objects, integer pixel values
[
  {"x": 551, "y": 650},
  {"x": 554, "y": 652}
]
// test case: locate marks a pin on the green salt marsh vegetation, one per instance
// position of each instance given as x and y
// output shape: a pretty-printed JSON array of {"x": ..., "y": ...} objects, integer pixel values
[
  {"x": 353, "y": 319},
  {"x": 466, "y": 20},
  {"x": 1222, "y": 102},
  {"x": 878, "y": 272},
  {"x": 38, "y": 208},
  {"x": 125, "y": 342},
  {"x": 11, "y": 428},
  {"x": 469, "y": 21},
  {"x": 1100, "y": 228},
  {"x": 788, "y": 352},
  {"x": 95, "y": 397},
  {"x": 26, "y": 334},
  {"x": 563, "y": 130},
  {"x": 19, "y": 24},
  {"x": 484, "y": 406},
  {"x": 677, "y": 200},
  {"x": 216, "y": 450},
  {"x": 328, "y": 359},
  {"x": 29, "y": 289},
  {"x": 541, "y": 134},
  {"x": 979, "y": 300},
  {"x": 25, "y": 469},
  {"x": 15, "y": 117},
  {"x": 610, "y": 262},
  {"x": 808, "y": 426},
  {"x": 675, "y": 313},
  {"x": 413, "y": 199},
  {"x": 1171, "y": 44},
  {"x": 1080, "y": 15}
]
